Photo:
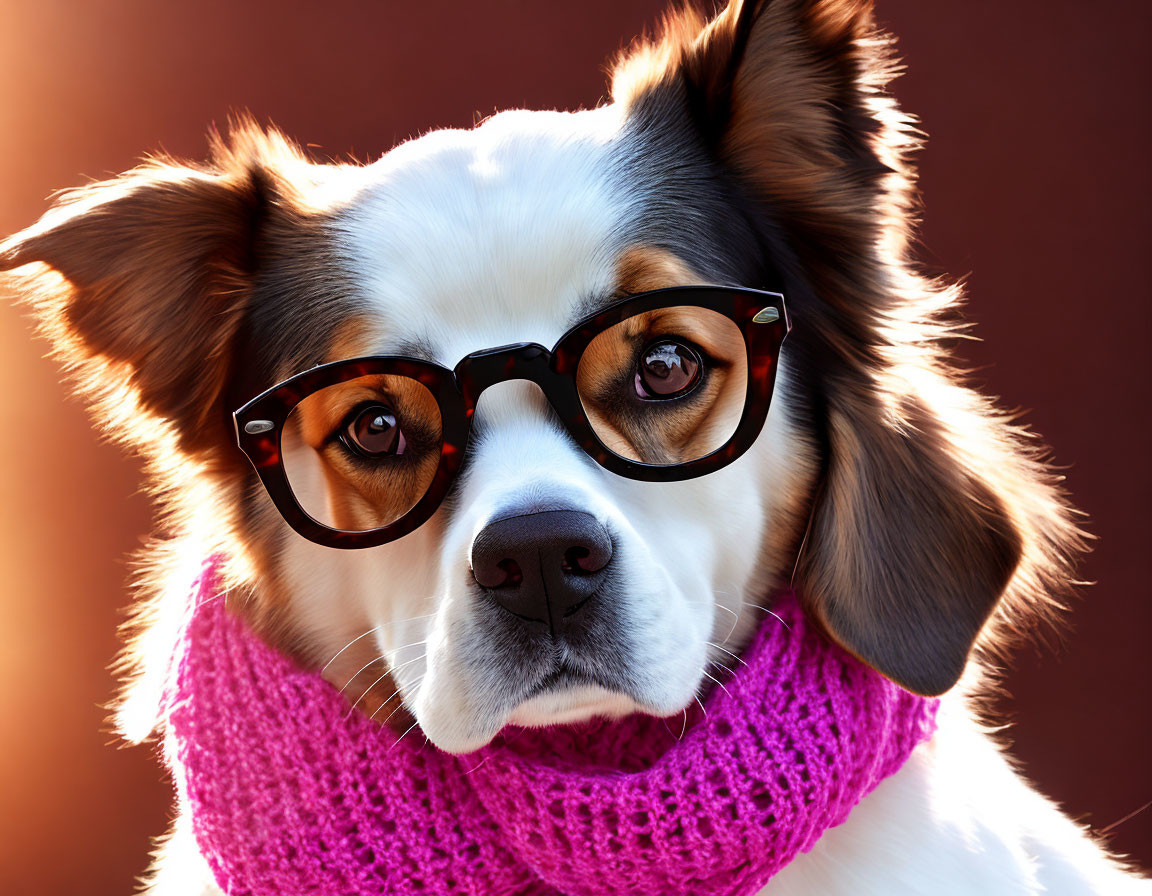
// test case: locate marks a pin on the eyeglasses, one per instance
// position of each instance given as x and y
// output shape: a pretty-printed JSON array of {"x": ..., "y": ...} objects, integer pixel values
[{"x": 662, "y": 386}]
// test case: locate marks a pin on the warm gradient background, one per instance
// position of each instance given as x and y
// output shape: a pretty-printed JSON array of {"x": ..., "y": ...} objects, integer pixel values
[{"x": 1038, "y": 182}]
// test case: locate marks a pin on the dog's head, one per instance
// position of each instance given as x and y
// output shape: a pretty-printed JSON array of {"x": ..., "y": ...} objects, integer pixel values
[{"x": 759, "y": 149}]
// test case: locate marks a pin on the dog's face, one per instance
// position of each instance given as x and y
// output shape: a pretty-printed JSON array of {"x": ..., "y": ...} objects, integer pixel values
[
  {"x": 466, "y": 240},
  {"x": 758, "y": 150}
]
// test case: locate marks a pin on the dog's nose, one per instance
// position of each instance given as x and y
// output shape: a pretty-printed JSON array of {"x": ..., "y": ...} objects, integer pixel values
[{"x": 542, "y": 566}]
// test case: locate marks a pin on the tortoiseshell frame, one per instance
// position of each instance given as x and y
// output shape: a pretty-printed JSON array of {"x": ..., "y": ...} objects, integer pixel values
[{"x": 457, "y": 392}]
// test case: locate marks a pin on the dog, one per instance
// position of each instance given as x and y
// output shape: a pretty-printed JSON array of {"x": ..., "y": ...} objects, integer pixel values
[{"x": 758, "y": 149}]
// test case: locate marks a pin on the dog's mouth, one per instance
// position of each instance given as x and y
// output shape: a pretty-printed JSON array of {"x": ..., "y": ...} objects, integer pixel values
[
  {"x": 568, "y": 694},
  {"x": 564, "y": 677}
]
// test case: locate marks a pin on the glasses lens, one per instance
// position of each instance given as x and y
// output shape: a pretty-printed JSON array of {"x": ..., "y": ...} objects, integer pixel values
[
  {"x": 361, "y": 454},
  {"x": 667, "y": 386}
]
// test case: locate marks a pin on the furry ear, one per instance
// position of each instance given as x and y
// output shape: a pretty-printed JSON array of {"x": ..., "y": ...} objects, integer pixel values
[
  {"x": 908, "y": 551},
  {"x": 937, "y": 525},
  {"x": 789, "y": 93},
  {"x": 790, "y": 97},
  {"x": 141, "y": 283}
]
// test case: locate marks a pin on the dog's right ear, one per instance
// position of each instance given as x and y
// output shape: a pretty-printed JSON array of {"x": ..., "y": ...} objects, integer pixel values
[
  {"x": 141, "y": 283},
  {"x": 939, "y": 527}
]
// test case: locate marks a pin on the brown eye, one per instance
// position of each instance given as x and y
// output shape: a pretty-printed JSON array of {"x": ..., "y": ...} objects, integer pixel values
[
  {"x": 668, "y": 368},
  {"x": 374, "y": 431}
]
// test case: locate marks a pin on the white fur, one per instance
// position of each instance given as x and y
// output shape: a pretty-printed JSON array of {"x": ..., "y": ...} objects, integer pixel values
[
  {"x": 455, "y": 237},
  {"x": 472, "y": 239}
]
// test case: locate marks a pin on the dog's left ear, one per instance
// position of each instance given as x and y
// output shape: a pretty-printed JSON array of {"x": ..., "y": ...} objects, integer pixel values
[{"x": 937, "y": 524}]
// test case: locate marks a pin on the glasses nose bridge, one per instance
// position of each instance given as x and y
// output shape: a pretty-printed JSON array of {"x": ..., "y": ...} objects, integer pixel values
[{"x": 520, "y": 361}]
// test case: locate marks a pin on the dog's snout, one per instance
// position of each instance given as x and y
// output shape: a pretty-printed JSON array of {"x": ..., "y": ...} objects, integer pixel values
[{"x": 542, "y": 566}]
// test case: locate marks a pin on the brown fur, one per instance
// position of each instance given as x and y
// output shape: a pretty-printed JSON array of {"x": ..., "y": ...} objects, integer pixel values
[
  {"x": 645, "y": 268},
  {"x": 934, "y": 503}
]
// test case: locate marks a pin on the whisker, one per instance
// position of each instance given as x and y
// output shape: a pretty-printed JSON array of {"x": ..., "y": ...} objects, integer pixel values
[
  {"x": 393, "y": 694},
  {"x": 735, "y": 617},
  {"x": 696, "y": 697},
  {"x": 412, "y": 644},
  {"x": 367, "y": 633},
  {"x": 401, "y": 703},
  {"x": 717, "y": 681},
  {"x": 402, "y": 736},
  {"x": 476, "y": 766},
  {"x": 729, "y": 652},
  {"x": 356, "y": 674},
  {"x": 804, "y": 540},
  {"x": 352, "y": 708},
  {"x": 387, "y": 672},
  {"x": 735, "y": 614},
  {"x": 384, "y": 703},
  {"x": 324, "y": 668},
  {"x": 727, "y": 669},
  {"x": 770, "y": 613},
  {"x": 726, "y": 609}
]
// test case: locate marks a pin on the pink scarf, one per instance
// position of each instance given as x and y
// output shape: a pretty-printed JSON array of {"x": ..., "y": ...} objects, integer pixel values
[{"x": 289, "y": 797}]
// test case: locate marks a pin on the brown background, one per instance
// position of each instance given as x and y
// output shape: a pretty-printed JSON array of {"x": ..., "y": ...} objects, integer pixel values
[{"x": 1037, "y": 180}]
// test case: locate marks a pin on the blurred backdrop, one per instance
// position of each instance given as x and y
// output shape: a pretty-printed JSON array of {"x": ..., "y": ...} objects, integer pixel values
[{"x": 1037, "y": 184}]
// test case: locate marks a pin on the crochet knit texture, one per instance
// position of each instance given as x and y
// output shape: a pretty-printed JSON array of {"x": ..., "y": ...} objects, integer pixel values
[{"x": 292, "y": 795}]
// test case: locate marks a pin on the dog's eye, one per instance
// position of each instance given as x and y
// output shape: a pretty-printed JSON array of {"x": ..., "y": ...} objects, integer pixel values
[
  {"x": 374, "y": 431},
  {"x": 668, "y": 368}
]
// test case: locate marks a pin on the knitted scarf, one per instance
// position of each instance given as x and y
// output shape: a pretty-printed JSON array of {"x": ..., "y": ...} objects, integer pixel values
[{"x": 290, "y": 794}]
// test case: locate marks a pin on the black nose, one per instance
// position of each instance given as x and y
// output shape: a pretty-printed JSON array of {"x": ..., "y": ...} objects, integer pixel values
[{"x": 543, "y": 566}]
